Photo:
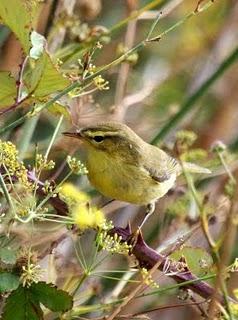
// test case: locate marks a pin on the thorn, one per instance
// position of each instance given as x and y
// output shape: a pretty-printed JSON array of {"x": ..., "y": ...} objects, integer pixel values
[
  {"x": 140, "y": 239},
  {"x": 128, "y": 228}
]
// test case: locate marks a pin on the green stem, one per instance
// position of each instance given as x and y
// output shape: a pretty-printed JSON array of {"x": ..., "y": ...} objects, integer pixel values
[
  {"x": 5, "y": 191},
  {"x": 190, "y": 102},
  {"x": 227, "y": 169},
  {"x": 51, "y": 193},
  {"x": 82, "y": 279},
  {"x": 54, "y": 136},
  {"x": 26, "y": 135},
  {"x": 136, "y": 14}
]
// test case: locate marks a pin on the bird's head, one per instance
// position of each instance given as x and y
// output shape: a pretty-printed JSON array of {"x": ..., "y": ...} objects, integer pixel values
[{"x": 110, "y": 137}]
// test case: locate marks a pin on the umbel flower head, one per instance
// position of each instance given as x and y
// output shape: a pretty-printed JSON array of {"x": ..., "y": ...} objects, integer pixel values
[{"x": 10, "y": 166}]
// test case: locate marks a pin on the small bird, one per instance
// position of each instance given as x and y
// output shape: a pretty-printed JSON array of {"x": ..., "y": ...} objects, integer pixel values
[{"x": 124, "y": 167}]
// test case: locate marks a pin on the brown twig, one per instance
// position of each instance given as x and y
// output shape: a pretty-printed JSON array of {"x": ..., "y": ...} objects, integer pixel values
[
  {"x": 167, "y": 307},
  {"x": 125, "y": 66}
]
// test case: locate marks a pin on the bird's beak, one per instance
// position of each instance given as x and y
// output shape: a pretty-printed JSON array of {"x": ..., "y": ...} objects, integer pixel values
[{"x": 73, "y": 134}]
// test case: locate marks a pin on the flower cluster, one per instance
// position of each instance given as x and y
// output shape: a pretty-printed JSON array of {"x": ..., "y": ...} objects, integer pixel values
[
  {"x": 83, "y": 215},
  {"x": 10, "y": 166},
  {"x": 147, "y": 278},
  {"x": 30, "y": 274},
  {"x": 76, "y": 166},
  {"x": 101, "y": 83},
  {"x": 113, "y": 243},
  {"x": 30, "y": 271},
  {"x": 186, "y": 138},
  {"x": 43, "y": 164}
]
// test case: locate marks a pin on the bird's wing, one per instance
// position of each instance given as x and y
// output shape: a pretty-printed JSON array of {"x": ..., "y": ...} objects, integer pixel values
[
  {"x": 160, "y": 165},
  {"x": 158, "y": 175}
]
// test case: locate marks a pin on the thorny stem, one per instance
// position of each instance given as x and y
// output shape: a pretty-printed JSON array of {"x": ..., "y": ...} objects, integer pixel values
[{"x": 148, "y": 257}]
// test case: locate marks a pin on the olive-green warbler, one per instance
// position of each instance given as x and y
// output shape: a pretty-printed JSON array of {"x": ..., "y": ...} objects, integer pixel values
[{"x": 124, "y": 167}]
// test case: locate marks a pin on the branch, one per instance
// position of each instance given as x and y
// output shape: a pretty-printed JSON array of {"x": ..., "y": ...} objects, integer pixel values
[{"x": 148, "y": 257}]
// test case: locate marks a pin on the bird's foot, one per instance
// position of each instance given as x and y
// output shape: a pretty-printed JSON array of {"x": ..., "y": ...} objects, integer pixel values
[
  {"x": 149, "y": 211},
  {"x": 134, "y": 238}
]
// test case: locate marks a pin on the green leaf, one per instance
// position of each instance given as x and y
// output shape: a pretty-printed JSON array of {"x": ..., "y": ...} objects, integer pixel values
[
  {"x": 45, "y": 78},
  {"x": 7, "y": 255},
  {"x": 18, "y": 16},
  {"x": 21, "y": 305},
  {"x": 24, "y": 303},
  {"x": 8, "y": 282},
  {"x": 8, "y": 89},
  {"x": 198, "y": 260},
  {"x": 51, "y": 297}
]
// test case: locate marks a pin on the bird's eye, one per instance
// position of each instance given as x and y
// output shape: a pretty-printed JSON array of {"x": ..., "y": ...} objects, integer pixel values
[{"x": 98, "y": 138}]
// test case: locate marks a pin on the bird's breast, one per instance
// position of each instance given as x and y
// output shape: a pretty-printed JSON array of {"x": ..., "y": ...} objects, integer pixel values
[{"x": 119, "y": 180}]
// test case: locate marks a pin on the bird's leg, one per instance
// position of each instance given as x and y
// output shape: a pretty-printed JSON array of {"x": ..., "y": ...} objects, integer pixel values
[{"x": 149, "y": 211}]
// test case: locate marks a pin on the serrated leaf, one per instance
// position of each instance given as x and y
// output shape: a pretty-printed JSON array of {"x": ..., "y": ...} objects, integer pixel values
[
  {"x": 7, "y": 255},
  {"x": 21, "y": 305},
  {"x": 8, "y": 89},
  {"x": 38, "y": 44},
  {"x": 198, "y": 260},
  {"x": 51, "y": 297},
  {"x": 8, "y": 282},
  {"x": 18, "y": 16},
  {"x": 45, "y": 78}
]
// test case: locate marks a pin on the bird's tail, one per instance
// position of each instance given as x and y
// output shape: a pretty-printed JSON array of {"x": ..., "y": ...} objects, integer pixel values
[{"x": 194, "y": 168}]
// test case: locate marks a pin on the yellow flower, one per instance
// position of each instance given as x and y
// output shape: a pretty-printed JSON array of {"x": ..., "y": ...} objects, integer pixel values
[
  {"x": 86, "y": 217},
  {"x": 234, "y": 308},
  {"x": 73, "y": 196}
]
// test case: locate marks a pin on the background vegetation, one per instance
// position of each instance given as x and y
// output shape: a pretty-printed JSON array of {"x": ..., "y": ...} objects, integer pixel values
[{"x": 168, "y": 69}]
